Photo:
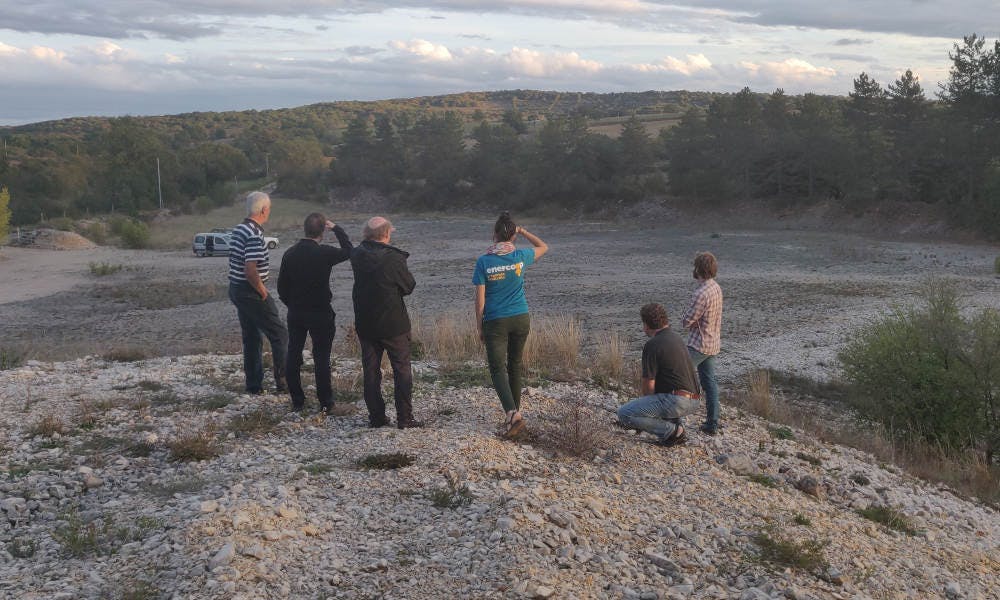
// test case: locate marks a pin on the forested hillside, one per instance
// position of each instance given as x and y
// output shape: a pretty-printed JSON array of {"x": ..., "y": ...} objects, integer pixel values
[{"x": 884, "y": 142}]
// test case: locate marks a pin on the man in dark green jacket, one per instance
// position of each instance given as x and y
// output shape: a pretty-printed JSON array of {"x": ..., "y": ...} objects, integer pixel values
[{"x": 381, "y": 279}]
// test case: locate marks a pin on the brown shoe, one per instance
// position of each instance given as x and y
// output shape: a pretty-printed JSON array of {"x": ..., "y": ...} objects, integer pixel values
[
  {"x": 340, "y": 410},
  {"x": 411, "y": 424},
  {"x": 516, "y": 428}
]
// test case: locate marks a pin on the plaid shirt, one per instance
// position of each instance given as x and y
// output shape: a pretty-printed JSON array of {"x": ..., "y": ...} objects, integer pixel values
[{"x": 704, "y": 318}]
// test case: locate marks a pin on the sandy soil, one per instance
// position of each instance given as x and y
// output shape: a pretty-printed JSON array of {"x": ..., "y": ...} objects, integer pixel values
[{"x": 791, "y": 296}]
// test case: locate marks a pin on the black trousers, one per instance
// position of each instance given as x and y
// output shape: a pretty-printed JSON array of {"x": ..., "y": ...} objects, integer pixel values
[
  {"x": 321, "y": 327},
  {"x": 259, "y": 317},
  {"x": 398, "y": 349}
]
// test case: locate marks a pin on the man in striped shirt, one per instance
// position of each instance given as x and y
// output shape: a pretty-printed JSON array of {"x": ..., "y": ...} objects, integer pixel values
[
  {"x": 704, "y": 320},
  {"x": 248, "y": 272}
]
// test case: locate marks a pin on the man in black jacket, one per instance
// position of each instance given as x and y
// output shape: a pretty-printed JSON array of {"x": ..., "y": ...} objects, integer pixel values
[
  {"x": 381, "y": 279},
  {"x": 304, "y": 287}
]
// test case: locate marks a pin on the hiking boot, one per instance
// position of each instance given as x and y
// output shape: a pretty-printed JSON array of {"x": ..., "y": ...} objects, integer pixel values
[
  {"x": 679, "y": 437},
  {"x": 377, "y": 424},
  {"x": 709, "y": 430},
  {"x": 411, "y": 424},
  {"x": 339, "y": 410}
]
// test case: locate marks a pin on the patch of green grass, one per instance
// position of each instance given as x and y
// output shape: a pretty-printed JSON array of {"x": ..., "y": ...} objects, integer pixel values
[
  {"x": 800, "y": 519},
  {"x": 805, "y": 555},
  {"x": 139, "y": 449},
  {"x": 216, "y": 401},
  {"x": 103, "y": 269},
  {"x": 461, "y": 375},
  {"x": 100, "y": 443},
  {"x": 447, "y": 411},
  {"x": 890, "y": 517},
  {"x": 138, "y": 589},
  {"x": 395, "y": 460},
  {"x": 781, "y": 433},
  {"x": 166, "y": 398},
  {"x": 317, "y": 468},
  {"x": 451, "y": 496},
  {"x": 809, "y": 458},
  {"x": 259, "y": 421},
  {"x": 100, "y": 536},
  {"x": 764, "y": 480}
]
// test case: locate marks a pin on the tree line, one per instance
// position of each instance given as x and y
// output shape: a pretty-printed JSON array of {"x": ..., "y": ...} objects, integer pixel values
[{"x": 530, "y": 150}]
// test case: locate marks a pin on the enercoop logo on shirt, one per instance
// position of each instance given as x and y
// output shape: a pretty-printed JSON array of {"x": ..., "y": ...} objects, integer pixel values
[{"x": 503, "y": 268}]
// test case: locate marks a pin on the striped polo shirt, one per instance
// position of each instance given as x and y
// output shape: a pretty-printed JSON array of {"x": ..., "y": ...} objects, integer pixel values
[{"x": 246, "y": 244}]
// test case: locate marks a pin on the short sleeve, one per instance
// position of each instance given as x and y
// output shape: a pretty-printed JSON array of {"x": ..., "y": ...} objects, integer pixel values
[
  {"x": 527, "y": 256},
  {"x": 479, "y": 274},
  {"x": 255, "y": 251},
  {"x": 649, "y": 362}
]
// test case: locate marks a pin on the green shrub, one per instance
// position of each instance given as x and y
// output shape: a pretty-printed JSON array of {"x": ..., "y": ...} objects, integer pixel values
[
  {"x": 10, "y": 358},
  {"x": 395, "y": 460},
  {"x": 996, "y": 265},
  {"x": 96, "y": 232},
  {"x": 203, "y": 205},
  {"x": 806, "y": 555},
  {"x": 928, "y": 372},
  {"x": 134, "y": 235},
  {"x": 890, "y": 517},
  {"x": 60, "y": 223}
]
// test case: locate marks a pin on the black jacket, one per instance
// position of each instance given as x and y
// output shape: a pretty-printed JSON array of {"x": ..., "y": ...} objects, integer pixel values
[
  {"x": 304, "y": 278},
  {"x": 381, "y": 279}
]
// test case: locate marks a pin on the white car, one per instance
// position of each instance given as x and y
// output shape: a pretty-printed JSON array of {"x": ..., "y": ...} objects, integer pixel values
[{"x": 216, "y": 243}]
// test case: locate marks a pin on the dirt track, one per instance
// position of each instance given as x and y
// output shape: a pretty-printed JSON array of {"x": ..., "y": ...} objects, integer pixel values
[{"x": 791, "y": 296}]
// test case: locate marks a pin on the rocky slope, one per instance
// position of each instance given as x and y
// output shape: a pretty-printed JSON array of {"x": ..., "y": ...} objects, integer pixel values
[{"x": 101, "y": 510}]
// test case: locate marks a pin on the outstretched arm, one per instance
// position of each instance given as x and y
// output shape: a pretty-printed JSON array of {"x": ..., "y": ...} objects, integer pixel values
[{"x": 540, "y": 247}]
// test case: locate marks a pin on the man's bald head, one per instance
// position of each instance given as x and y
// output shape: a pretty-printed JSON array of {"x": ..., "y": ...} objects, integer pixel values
[{"x": 378, "y": 229}]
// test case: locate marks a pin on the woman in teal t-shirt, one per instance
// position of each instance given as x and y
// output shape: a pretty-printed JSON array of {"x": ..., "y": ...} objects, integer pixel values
[{"x": 502, "y": 312}]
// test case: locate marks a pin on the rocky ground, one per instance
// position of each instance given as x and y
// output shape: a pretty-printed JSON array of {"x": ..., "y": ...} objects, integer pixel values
[{"x": 95, "y": 504}]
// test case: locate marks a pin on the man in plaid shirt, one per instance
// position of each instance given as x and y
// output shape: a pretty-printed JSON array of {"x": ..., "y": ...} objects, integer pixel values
[{"x": 704, "y": 320}]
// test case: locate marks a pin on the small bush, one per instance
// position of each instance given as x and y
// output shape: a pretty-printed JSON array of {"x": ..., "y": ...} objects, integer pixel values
[
  {"x": 193, "y": 447},
  {"x": 151, "y": 386},
  {"x": 452, "y": 495},
  {"x": 134, "y": 235},
  {"x": 317, "y": 468},
  {"x": 395, "y": 460},
  {"x": 103, "y": 269},
  {"x": 22, "y": 547},
  {"x": 996, "y": 265},
  {"x": 257, "y": 421},
  {"x": 860, "y": 479},
  {"x": 79, "y": 539},
  {"x": 574, "y": 429},
  {"x": 800, "y": 519},
  {"x": 47, "y": 426},
  {"x": 139, "y": 590},
  {"x": 806, "y": 555},
  {"x": 609, "y": 360},
  {"x": 96, "y": 232},
  {"x": 216, "y": 401},
  {"x": 929, "y": 372},
  {"x": 890, "y": 517},
  {"x": 59, "y": 223}
]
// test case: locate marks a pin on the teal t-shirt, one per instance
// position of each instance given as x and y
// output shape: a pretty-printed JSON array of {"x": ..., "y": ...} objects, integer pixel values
[{"x": 503, "y": 276}]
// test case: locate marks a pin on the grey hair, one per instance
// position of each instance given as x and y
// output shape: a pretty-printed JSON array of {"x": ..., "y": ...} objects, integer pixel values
[
  {"x": 377, "y": 228},
  {"x": 256, "y": 201}
]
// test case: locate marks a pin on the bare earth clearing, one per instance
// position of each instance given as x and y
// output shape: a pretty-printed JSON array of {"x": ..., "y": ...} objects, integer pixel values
[{"x": 791, "y": 297}]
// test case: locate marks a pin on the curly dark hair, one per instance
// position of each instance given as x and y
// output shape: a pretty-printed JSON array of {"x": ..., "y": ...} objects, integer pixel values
[
  {"x": 654, "y": 316},
  {"x": 504, "y": 229}
]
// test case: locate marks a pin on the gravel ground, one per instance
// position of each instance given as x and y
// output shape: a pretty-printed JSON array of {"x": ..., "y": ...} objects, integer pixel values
[{"x": 100, "y": 510}]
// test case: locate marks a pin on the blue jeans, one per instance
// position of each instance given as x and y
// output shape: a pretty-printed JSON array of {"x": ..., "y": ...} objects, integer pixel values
[
  {"x": 259, "y": 317},
  {"x": 659, "y": 414},
  {"x": 709, "y": 385}
]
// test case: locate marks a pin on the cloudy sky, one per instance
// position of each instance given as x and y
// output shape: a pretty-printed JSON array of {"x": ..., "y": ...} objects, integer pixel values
[{"x": 61, "y": 58}]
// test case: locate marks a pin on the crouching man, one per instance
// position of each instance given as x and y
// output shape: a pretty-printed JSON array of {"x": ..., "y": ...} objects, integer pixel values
[{"x": 669, "y": 382}]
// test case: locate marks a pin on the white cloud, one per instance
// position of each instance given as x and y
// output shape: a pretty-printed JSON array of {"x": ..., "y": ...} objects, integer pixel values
[
  {"x": 531, "y": 63},
  {"x": 790, "y": 70},
  {"x": 423, "y": 49},
  {"x": 691, "y": 64}
]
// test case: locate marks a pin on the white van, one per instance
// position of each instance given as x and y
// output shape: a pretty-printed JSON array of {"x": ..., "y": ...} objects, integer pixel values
[{"x": 216, "y": 243}]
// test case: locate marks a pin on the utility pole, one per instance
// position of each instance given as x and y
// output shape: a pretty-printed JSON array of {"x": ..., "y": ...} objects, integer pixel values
[
  {"x": 159, "y": 189},
  {"x": 267, "y": 165}
]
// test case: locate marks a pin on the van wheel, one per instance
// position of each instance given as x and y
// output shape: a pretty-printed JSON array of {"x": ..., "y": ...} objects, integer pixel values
[{"x": 271, "y": 245}]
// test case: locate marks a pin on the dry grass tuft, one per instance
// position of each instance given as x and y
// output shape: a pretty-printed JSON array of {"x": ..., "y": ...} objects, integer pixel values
[
  {"x": 890, "y": 517},
  {"x": 394, "y": 460},
  {"x": 554, "y": 345},
  {"x": 780, "y": 551},
  {"x": 47, "y": 426},
  {"x": 193, "y": 447},
  {"x": 609, "y": 361},
  {"x": 574, "y": 429},
  {"x": 349, "y": 344},
  {"x": 449, "y": 338},
  {"x": 756, "y": 395},
  {"x": 124, "y": 354}
]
